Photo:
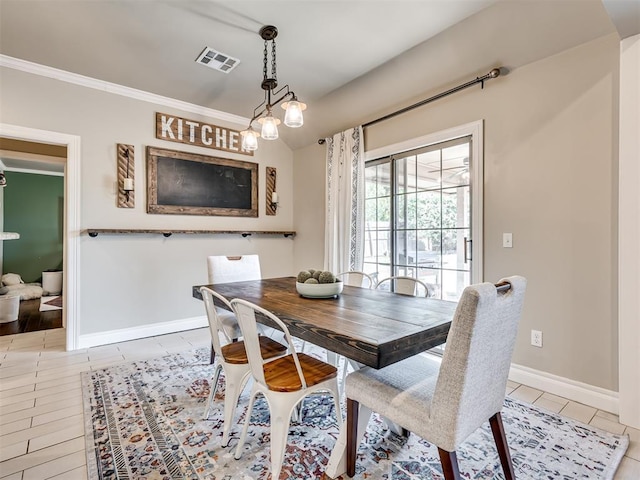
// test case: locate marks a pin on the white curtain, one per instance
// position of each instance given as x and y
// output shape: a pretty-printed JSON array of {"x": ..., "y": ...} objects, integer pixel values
[{"x": 344, "y": 229}]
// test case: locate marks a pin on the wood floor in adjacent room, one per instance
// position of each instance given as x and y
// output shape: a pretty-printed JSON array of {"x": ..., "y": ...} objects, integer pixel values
[
  {"x": 41, "y": 415},
  {"x": 31, "y": 319}
]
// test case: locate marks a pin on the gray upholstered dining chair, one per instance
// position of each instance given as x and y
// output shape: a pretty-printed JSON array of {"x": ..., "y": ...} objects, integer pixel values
[{"x": 444, "y": 403}]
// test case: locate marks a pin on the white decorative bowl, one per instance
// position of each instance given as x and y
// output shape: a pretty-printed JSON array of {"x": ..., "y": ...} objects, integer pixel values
[{"x": 319, "y": 290}]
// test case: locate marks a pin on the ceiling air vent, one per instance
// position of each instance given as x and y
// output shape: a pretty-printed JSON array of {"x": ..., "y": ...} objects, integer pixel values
[{"x": 217, "y": 60}]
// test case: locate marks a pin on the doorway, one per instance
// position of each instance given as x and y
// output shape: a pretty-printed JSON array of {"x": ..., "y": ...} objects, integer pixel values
[
  {"x": 70, "y": 303},
  {"x": 33, "y": 211}
]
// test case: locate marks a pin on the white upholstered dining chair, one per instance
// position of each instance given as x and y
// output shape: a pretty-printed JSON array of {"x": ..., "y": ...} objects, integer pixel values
[
  {"x": 284, "y": 381},
  {"x": 226, "y": 269},
  {"x": 239, "y": 268},
  {"x": 444, "y": 403},
  {"x": 232, "y": 361}
]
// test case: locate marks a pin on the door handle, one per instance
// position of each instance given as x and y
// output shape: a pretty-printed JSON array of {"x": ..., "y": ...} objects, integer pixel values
[{"x": 467, "y": 258}]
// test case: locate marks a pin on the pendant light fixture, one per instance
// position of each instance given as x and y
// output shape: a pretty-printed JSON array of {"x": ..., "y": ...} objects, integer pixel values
[{"x": 263, "y": 113}]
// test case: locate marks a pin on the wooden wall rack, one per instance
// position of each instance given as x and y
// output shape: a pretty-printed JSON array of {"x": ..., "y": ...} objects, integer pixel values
[{"x": 94, "y": 232}]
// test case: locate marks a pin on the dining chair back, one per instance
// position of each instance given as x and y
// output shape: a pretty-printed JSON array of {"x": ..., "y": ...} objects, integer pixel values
[
  {"x": 404, "y": 286},
  {"x": 284, "y": 381},
  {"x": 226, "y": 269},
  {"x": 232, "y": 360},
  {"x": 239, "y": 268},
  {"x": 445, "y": 403},
  {"x": 356, "y": 279}
]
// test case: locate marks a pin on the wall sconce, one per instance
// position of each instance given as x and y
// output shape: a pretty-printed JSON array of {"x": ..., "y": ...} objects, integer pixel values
[
  {"x": 126, "y": 175},
  {"x": 127, "y": 183},
  {"x": 272, "y": 196}
]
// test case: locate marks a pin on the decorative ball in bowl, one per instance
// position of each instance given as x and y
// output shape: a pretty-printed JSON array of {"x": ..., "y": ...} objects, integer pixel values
[{"x": 318, "y": 284}]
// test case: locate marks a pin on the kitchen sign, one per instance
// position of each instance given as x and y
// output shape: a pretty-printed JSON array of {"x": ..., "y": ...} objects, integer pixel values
[{"x": 192, "y": 132}]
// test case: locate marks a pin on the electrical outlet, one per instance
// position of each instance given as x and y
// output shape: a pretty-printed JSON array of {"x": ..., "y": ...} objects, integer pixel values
[{"x": 536, "y": 338}]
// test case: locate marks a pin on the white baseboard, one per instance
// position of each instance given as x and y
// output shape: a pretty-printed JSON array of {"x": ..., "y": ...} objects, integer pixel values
[
  {"x": 584, "y": 393},
  {"x": 143, "y": 331}
]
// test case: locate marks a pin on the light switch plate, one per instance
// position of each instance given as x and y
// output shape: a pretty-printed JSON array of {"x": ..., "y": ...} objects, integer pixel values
[{"x": 507, "y": 240}]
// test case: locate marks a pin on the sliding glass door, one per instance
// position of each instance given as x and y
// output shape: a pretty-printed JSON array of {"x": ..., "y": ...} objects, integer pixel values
[{"x": 418, "y": 216}]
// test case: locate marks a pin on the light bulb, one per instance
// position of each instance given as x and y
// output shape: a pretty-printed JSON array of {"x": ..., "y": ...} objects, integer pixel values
[
  {"x": 269, "y": 127},
  {"x": 293, "y": 116},
  {"x": 249, "y": 139}
]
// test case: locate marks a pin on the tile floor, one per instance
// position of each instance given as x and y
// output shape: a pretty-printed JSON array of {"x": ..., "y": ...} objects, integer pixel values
[{"x": 41, "y": 420}]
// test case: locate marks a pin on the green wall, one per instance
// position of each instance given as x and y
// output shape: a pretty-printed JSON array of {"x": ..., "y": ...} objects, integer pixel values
[{"x": 33, "y": 207}]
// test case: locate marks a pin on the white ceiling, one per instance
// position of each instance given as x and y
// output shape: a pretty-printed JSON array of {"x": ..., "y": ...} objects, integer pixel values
[
  {"x": 324, "y": 47},
  {"x": 625, "y": 15},
  {"x": 152, "y": 45}
]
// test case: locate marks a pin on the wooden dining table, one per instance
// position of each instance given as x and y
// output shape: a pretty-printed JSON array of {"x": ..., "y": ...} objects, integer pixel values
[{"x": 371, "y": 327}]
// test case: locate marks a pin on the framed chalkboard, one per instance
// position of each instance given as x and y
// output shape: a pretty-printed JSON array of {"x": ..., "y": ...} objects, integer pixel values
[{"x": 190, "y": 184}]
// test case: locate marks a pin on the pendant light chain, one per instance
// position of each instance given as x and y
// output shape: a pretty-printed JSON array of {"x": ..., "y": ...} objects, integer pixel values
[
  {"x": 264, "y": 61},
  {"x": 273, "y": 60}
]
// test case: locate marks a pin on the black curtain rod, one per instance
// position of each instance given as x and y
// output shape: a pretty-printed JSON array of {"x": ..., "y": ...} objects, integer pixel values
[{"x": 492, "y": 74}]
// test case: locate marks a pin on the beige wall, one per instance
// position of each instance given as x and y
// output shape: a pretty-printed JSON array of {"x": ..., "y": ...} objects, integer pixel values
[
  {"x": 550, "y": 178},
  {"x": 309, "y": 179},
  {"x": 136, "y": 280}
]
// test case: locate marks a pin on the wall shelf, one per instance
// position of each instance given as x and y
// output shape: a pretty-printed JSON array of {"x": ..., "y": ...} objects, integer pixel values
[
  {"x": 9, "y": 236},
  {"x": 94, "y": 232}
]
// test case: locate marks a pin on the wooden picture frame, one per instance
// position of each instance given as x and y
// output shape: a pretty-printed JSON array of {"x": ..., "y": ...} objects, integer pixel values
[{"x": 182, "y": 183}]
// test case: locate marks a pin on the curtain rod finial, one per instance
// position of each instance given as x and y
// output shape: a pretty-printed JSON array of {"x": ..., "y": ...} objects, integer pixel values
[
  {"x": 321, "y": 141},
  {"x": 494, "y": 73}
]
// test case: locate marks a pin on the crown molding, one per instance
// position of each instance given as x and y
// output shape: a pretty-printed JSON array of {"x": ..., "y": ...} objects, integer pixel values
[{"x": 114, "y": 88}]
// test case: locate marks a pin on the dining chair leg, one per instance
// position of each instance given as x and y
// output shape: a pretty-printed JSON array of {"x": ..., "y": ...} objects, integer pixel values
[
  {"x": 245, "y": 427},
  {"x": 280, "y": 410},
  {"x": 213, "y": 355},
  {"x": 336, "y": 402},
  {"x": 352, "y": 435},
  {"x": 449, "y": 461},
  {"x": 497, "y": 428},
  {"x": 213, "y": 388},
  {"x": 233, "y": 387}
]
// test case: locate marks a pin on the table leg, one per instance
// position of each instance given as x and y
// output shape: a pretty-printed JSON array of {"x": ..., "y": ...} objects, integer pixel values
[{"x": 337, "y": 464}]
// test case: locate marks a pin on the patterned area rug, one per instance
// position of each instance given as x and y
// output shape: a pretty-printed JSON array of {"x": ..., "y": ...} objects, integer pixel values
[
  {"x": 51, "y": 303},
  {"x": 144, "y": 421}
]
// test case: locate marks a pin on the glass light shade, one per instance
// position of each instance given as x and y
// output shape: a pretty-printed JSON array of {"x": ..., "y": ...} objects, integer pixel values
[
  {"x": 269, "y": 127},
  {"x": 249, "y": 140},
  {"x": 293, "y": 116}
]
